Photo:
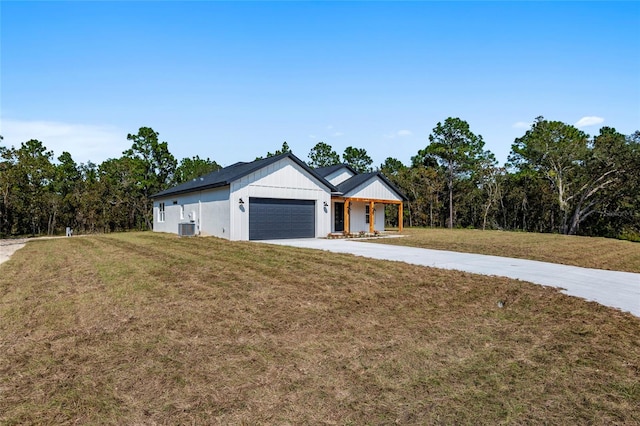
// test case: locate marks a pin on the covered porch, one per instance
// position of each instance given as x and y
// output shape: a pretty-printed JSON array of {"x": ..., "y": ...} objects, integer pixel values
[{"x": 355, "y": 214}]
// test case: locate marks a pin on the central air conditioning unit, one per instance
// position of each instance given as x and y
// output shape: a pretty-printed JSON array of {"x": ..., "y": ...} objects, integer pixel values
[{"x": 187, "y": 229}]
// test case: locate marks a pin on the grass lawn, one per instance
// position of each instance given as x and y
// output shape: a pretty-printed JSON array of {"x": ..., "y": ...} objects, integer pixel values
[
  {"x": 143, "y": 328},
  {"x": 598, "y": 253}
]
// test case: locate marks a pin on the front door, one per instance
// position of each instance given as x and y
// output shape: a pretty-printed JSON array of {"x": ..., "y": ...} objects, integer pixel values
[{"x": 338, "y": 217}]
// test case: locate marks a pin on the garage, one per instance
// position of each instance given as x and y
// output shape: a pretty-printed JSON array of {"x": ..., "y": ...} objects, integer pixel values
[{"x": 276, "y": 218}]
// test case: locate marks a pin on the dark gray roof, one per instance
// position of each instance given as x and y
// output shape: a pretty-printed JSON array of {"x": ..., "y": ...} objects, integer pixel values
[
  {"x": 354, "y": 181},
  {"x": 326, "y": 171},
  {"x": 224, "y": 177}
]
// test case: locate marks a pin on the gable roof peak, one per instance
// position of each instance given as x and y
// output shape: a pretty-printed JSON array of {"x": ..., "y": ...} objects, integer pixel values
[
  {"x": 326, "y": 171},
  {"x": 225, "y": 176},
  {"x": 357, "y": 180}
]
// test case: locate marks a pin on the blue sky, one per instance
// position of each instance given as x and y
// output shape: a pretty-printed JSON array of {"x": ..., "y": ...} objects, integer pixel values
[{"x": 231, "y": 81}]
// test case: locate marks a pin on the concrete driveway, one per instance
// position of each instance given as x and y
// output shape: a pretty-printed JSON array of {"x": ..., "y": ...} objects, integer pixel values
[{"x": 610, "y": 288}]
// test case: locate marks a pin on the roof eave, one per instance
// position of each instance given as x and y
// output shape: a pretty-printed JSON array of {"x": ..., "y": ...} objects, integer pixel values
[
  {"x": 393, "y": 187},
  {"x": 189, "y": 190},
  {"x": 260, "y": 165}
]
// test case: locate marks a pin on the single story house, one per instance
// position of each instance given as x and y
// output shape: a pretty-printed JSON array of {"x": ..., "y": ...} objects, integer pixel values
[{"x": 277, "y": 197}]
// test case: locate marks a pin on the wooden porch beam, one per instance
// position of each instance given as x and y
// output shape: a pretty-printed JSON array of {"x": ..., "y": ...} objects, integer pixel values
[
  {"x": 372, "y": 216},
  {"x": 346, "y": 215},
  {"x": 375, "y": 200}
]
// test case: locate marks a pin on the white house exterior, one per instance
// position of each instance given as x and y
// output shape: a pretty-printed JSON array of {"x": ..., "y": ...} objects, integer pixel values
[
  {"x": 359, "y": 205},
  {"x": 276, "y": 197}
]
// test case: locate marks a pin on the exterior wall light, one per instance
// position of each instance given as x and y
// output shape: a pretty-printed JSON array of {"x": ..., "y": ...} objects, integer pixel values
[
  {"x": 241, "y": 201},
  {"x": 324, "y": 203}
]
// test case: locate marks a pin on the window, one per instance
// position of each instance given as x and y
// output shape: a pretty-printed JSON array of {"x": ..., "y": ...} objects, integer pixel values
[
  {"x": 181, "y": 212},
  {"x": 367, "y": 214},
  {"x": 161, "y": 212}
]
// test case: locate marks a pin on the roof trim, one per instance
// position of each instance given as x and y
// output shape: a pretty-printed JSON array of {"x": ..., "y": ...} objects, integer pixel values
[
  {"x": 326, "y": 171},
  {"x": 357, "y": 180},
  {"x": 226, "y": 176}
]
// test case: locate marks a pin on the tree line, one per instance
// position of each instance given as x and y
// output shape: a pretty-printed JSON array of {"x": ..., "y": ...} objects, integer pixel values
[
  {"x": 557, "y": 179},
  {"x": 43, "y": 196}
]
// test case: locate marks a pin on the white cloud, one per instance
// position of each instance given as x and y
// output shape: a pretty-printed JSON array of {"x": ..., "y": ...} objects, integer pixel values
[
  {"x": 337, "y": 134},
  {"x": 84, "y": 141},
  {"x": 521, "y": 125},
  {"x": 399, "y": 133},
  {"x": 589, "y": 121}
]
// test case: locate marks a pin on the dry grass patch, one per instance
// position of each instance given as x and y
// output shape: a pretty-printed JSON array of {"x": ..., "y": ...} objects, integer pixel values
[
  {"x": 152, "y": 329},
  {"x": 587, "y": 252}
]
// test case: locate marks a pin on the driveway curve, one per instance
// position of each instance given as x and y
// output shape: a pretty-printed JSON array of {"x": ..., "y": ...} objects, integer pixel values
[
  {"x": 619, "y": 290},
  {"x": 8, "y": 247}
]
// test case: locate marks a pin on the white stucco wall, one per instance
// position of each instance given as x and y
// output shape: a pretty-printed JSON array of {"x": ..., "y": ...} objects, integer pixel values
[
  {"x": 208, "y": 209},
  {"x": 172, "y": 216},
  {"x": 283, "y": 179},
  {"x": 214, "y": 218}
]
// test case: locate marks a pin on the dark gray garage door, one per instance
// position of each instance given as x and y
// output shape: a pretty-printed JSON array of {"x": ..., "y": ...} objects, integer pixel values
[{"x": 274, "y": 218}]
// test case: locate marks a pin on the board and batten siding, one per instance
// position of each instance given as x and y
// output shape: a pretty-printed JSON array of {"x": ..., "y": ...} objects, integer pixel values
[
  {"x": 339, "y": 176},
  {"x": 357, "y": 217},
  {"x": 282, "y": 179},
  {"x": 374, "y": 189}
]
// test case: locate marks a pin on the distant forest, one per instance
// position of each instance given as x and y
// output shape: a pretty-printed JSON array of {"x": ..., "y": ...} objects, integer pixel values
[{"x": 558, "y": 179}]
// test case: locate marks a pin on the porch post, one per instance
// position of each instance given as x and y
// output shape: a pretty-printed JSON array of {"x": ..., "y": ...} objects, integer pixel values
[
  {"x": 372, "y": 217},
  {"x": 400, "y": 217},
  {"x": 346, "y": 216}
]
